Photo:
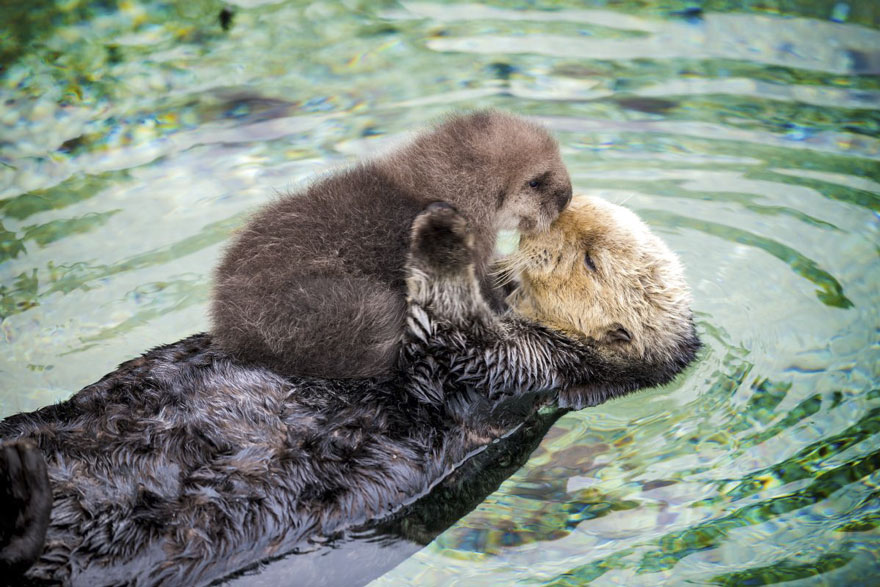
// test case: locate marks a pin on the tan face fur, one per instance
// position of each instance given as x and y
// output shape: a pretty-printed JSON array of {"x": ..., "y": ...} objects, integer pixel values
[{"x": 600, "y": 273}]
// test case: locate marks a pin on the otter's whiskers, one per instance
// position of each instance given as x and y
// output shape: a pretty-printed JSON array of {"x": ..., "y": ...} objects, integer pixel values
[{"x": 507, "y": 269}]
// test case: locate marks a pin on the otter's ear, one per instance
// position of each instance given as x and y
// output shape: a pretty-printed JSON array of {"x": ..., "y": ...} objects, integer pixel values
[{"x": 617, "y": 334}]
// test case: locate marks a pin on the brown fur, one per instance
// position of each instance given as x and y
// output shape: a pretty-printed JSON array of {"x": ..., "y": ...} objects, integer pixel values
[
  {"x": 631, "y": 296},
  {"x": 314, "y": 285}
]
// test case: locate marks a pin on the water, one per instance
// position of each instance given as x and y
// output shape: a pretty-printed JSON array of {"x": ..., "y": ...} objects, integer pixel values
[{"x": 134, "y": 138}]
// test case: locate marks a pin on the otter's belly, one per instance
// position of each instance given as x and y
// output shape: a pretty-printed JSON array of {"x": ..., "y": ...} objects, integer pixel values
[{"x": 184, "y": 466}]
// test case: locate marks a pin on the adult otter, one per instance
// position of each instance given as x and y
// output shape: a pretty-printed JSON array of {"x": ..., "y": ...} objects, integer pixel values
[
  {"x": 185, "y": 465},
  {"x": 314, "y": 284},
  {"x": 601, "y": 273}
]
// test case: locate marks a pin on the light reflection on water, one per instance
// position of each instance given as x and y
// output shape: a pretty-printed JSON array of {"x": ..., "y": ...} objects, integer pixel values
[{"x": 136, "y": 140}]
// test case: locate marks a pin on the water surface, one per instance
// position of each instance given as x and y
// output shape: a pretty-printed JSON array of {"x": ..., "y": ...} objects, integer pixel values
[{"x": 136, "y": 136}]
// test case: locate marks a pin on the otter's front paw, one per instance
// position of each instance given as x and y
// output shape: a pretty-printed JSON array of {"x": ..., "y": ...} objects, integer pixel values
[
  {"x": 441, "y": 241},
  {"x": 25, "y": 505}
]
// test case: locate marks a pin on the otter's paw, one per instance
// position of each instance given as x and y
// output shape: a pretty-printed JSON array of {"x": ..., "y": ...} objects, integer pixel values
[
  {"x": 25, "y": 505},
  {"x": 441, "y": 240}
]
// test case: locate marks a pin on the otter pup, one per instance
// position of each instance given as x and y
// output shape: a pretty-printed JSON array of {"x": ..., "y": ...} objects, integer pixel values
[
  {"x": 314, "y": 284},
  {"x": 185, "y": 465}
]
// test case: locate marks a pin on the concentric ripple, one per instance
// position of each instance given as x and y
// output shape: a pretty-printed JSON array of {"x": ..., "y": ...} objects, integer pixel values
[{"x": 134, "y": 138}]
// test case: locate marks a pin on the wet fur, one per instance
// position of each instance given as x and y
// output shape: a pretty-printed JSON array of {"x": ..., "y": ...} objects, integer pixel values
[
  {"x": 185, "y": 465},
  {"x": 25, "y": 498},
  {"x": 314, "y": 284}
]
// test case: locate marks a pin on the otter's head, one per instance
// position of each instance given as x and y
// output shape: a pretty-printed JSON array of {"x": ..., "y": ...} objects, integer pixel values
[
  {"x": 533, "y": 184},
  {"x": 600, "y": 274},
  {"x": 494, "y": 158}
]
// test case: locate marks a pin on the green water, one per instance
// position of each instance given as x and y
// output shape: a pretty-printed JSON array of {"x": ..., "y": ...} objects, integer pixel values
[{"x": 136, "y": 136}]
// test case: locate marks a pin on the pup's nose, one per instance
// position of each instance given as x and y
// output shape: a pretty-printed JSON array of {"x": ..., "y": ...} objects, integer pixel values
[{"x": 563, "y": 197}]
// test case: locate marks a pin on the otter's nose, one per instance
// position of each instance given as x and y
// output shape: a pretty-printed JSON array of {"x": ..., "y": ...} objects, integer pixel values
[{"x": 563, "y": 197}]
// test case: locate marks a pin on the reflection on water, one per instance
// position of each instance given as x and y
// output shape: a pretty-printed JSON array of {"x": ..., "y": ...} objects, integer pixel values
[{"x": 135, "y": 139}]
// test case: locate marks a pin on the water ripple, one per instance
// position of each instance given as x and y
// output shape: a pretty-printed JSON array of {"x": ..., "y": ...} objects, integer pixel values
[
  {"x": 135, "y": 137},
  {"x": 791, "y": 42}
]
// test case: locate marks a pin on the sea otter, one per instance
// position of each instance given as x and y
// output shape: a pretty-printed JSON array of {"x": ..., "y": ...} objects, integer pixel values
[
  {"x": 601, "y": 273},
  {"x": 314, "y": 284},
  {"x": 186, "y": 465}
]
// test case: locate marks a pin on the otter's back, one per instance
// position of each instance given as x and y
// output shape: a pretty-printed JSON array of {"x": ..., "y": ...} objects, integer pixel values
[{"x": 318, "y": 277}]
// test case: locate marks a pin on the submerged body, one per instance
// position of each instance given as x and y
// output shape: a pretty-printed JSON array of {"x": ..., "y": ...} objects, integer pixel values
[
  {"x": 315, "y": 283},
  {"x": 186, "y": 465}
]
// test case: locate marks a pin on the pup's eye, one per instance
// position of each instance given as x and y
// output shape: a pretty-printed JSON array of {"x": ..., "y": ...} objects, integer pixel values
[
  {"x": 534, "y": 183},
  {"x": 588, "y": 261}
]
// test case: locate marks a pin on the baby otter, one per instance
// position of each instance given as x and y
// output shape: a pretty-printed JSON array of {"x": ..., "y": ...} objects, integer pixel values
[
  {"x": 186, "y": 465},
  {"x": 314, "y": 284}
]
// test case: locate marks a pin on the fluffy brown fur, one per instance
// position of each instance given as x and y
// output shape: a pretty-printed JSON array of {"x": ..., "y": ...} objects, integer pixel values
[{"x": 314, "y": 285}]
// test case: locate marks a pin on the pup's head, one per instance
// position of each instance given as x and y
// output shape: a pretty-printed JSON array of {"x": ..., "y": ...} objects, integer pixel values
[
  {"x": 599, "y": 273},
  {"x": 496, "y": 156}
]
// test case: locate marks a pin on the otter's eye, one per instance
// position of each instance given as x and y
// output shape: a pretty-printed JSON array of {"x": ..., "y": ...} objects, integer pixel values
[
  {"x": 588, "y": 261},
  {"x": 534, "y": 183}
]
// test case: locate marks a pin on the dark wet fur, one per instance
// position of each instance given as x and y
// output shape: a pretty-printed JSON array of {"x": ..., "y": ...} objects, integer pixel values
[
  {"x": 368, "y": 553},
  {"x": 25, "y": 501},
  {"x": 185, "y": 465},
  {"x": 314, "y": 284}
]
